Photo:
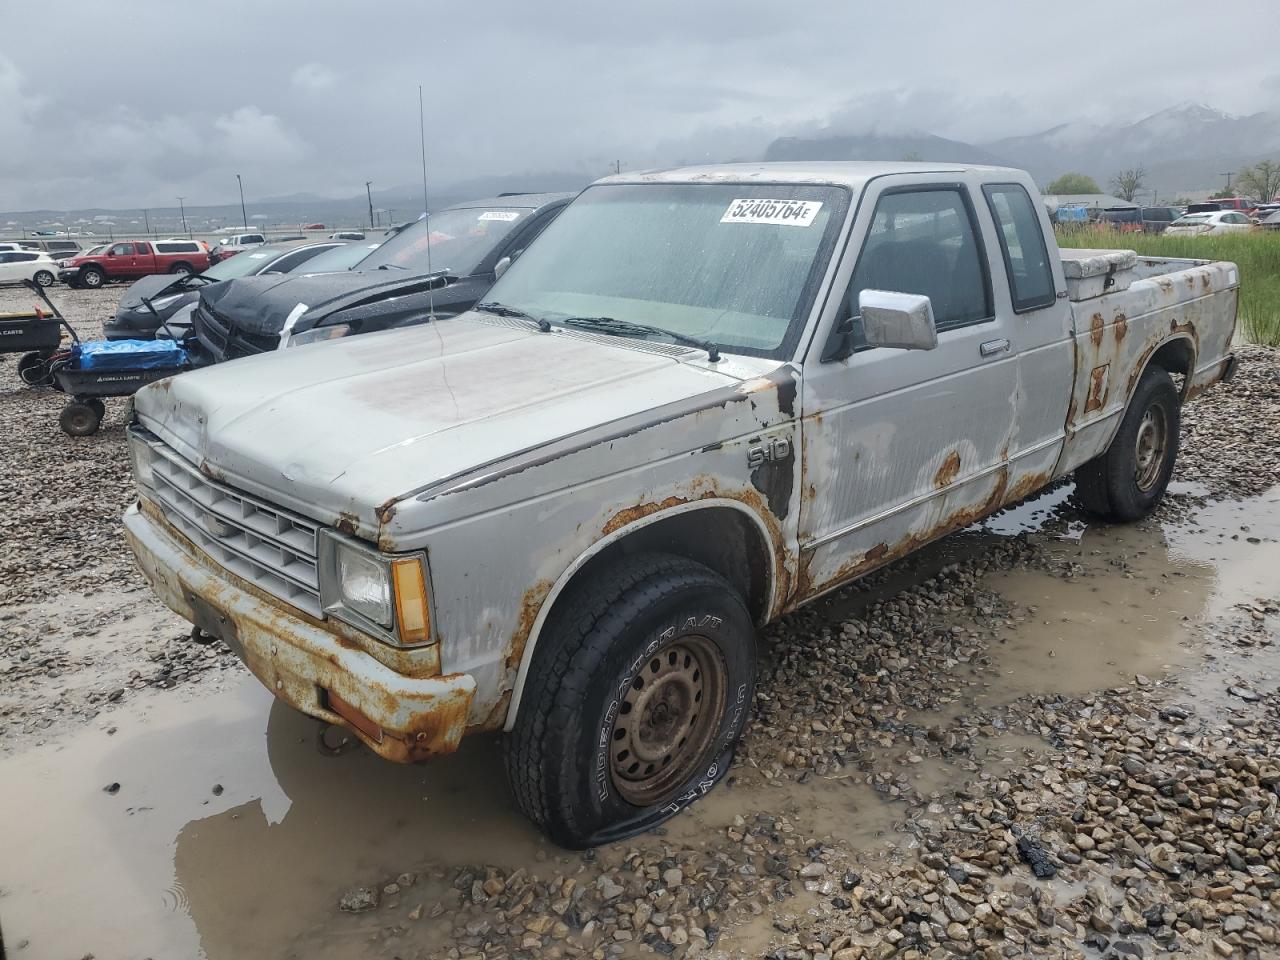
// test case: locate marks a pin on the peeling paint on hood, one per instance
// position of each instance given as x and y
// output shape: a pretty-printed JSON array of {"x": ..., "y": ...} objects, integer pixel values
[{"x": 339, "y": 428}]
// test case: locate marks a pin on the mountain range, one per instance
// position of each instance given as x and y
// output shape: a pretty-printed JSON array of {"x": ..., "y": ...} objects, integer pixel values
[{"x": 1186, "y": 149}]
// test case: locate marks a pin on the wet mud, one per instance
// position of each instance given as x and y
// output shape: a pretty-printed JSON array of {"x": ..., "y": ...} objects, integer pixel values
[{"x": 210, "y": 822}]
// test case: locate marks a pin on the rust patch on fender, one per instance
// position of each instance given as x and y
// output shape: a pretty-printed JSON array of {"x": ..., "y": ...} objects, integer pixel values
[
  {"x": 530, "y": 604},
  {"x": 347, "y": 522},
  {"x": 629, "y": 515},
  {"x": 1097, "y": 388},
  {"x": 1122, "y": 328},
  {"x": 949, "y": 470},
  {"x": 1096, "y": 327}
]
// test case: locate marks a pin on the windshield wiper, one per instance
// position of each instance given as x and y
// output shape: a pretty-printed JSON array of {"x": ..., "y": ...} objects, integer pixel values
[
  {"x": 626, "y": 327},
  {"x": 502, "y": 310},
  {"x": 391, "y": 266}
]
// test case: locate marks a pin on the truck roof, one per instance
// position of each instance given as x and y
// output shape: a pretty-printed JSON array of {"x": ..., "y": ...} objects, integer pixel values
[{"x": 850, "y": 173}]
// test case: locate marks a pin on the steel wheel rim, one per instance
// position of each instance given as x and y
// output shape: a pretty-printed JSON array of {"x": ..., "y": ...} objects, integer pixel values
[
  {"x": 1149, "y": 447},
  {"x": 667, "y": 720}
]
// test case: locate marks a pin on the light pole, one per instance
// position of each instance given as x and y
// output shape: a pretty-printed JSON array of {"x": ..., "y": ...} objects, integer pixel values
[
  {"x": 146, "y": 222},
  {"x": 244, "y": 216},
  {"x": 369, "y": 193},
  {"x": 1228, "y": 176},
  {"x": 183, "y": 211}
]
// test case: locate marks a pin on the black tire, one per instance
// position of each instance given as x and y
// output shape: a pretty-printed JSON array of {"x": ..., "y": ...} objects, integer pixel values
[
  {"x": 99, "y": 407},
  {"x": 183, "y": 268},
  {"x": 92, "y": 277},
  {"x": 44, "y": 278},
  {"x": 33, "y": 369},
  {"x": 1127, "y": 481},
  {"x": 79, "y": 419},
  {"x": 662, "y": 617}
]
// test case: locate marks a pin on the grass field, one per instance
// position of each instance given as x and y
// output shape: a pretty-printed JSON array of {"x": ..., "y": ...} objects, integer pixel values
[{"x": 1257, "y": 253}]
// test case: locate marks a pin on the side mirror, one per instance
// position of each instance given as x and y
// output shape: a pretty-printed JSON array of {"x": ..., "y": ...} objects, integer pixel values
[
  {"x": 500, "y": 267},
  {"x": 900, "y": 320}
]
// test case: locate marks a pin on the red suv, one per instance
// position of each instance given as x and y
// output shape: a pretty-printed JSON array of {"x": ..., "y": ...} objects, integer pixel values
[{"x": 131, "y": 259}]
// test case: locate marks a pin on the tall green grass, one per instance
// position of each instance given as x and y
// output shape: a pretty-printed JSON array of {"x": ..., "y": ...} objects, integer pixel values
[{"x": 1256, "y": 252}]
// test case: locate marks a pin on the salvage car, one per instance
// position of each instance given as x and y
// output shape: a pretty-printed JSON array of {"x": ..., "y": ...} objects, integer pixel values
[
  {"x": 17, "y": 266},
  {"x": 136, "y": 320},
  {"x": 699, "y": 400},
  {"x": 237, "y": 243},
  {"x": 435, "y": 268},
  {"x": 132, "y": 259},
  {"x": 1204, "y": 224}
]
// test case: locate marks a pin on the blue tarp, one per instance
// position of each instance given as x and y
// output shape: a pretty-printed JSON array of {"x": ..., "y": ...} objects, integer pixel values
[{"x": 128, "y": 355}]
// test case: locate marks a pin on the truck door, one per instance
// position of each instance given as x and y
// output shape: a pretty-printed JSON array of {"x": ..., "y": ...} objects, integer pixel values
[
  {"x": 144, "y": 262},
  {"x": 902, "y": 446}
]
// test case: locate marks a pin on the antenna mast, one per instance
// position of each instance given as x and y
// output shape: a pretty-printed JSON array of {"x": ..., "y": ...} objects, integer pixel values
[{"x": 426, "y": 210}]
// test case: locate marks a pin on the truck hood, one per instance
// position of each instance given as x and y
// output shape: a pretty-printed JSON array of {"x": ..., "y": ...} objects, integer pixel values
[
  {"x": 260, "y": 305},
  {"x": 339, "y": 430}
]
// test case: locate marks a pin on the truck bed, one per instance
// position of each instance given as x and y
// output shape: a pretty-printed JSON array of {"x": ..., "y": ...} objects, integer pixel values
[{"x": 1178, "y": 312}]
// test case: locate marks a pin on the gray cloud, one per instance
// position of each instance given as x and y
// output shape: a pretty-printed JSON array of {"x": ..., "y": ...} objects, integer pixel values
[{"x": 139, "y": 104}]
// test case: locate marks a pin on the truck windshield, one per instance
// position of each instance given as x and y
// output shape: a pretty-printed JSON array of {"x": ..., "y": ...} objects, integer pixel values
[
  {"x": 460, "y": 239},
  {"x": 734, "y": 264}
]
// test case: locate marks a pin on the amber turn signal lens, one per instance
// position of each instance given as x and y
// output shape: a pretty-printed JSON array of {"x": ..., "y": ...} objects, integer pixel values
[{"x": 412, "y": 614}]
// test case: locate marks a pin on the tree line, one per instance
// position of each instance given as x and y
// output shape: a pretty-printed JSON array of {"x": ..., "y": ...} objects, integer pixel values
[{"x": 1261, "y": 182}]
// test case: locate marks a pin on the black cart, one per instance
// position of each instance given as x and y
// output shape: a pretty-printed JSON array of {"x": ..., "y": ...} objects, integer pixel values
[
  {"x": 84, "y": 411},
  {"x": 36, "y": 335}
]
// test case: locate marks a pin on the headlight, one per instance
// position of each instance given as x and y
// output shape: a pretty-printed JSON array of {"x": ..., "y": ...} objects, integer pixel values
[
  {"x": 364, "y": 585},
  {"x": 161, "y": 302},
  {"x": 316, "y": 334},
  {"x": 143, "y": 462},
  {"x": 383, "y": 594}
]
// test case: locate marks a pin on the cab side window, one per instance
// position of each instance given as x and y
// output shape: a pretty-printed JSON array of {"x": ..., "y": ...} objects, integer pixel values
[
  {"x": 1026, "y": 258},
  {"x": 925, "y": 242},
  {"x": 123, "y": 250}
]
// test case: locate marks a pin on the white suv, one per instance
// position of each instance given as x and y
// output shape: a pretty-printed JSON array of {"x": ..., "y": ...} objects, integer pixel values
[{"x": 19, "y": 265}]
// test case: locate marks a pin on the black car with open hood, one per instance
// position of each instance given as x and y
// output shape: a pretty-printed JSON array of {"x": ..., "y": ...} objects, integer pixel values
[{"x": 436, "y": 268}]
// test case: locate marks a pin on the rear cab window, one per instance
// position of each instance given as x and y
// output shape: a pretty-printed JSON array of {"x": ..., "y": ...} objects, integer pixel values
[{"x": 1022, "y": 245}]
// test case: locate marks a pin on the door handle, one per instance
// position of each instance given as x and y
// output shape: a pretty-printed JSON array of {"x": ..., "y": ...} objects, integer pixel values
[{"x": 992, "y": 347}]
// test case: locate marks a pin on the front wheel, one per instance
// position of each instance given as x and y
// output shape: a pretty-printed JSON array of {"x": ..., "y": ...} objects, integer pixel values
[
  {"x": 44, "y": 278},
  {"x": 636, "y": 696},
  {"x": 92, "y": 279},
  {"x": 1127, "y": 481},
  {"x": 79, "y": 419}
]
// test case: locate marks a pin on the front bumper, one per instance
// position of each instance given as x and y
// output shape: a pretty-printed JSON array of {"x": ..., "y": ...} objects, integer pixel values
[
  {"x": 68, "y": 274},
  {"x": 302, "y": 663}
]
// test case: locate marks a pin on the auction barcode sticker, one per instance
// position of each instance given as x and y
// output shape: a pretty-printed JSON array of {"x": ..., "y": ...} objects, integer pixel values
[
  {"x": 791, "y": 213},
  {"x": 500, "y": 215}
]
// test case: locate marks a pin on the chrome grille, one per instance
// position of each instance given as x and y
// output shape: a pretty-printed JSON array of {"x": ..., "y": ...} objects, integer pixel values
[{"x": 271, "y": 548}]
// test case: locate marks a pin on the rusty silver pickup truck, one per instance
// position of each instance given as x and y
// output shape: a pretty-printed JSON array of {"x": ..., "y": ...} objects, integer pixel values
[{"x": 700, "y": 399}]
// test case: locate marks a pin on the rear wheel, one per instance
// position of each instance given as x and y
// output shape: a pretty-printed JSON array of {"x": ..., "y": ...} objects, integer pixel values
[
  {"x": 181, "y": 268},
  {"x": 92, "y": 278},
  {"x": 1128, "y": 480},
  {"x": 33, "y": 369},
  {"x": 80, "y": 419},
  {"x": 634, "y": 701},
  {"x": 44, "y": 278}
]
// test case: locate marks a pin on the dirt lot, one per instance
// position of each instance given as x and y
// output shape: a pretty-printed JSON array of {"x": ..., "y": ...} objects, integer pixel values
[{"x": 1041, "y": 737}]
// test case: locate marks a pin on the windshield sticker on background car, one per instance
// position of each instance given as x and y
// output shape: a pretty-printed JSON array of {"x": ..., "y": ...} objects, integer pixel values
[
  {"x": 506, "y": 215},
  {"x": 792, "y": 213}
]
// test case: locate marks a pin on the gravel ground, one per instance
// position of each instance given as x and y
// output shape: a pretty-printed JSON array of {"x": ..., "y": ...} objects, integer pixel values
[{"x": 1138, "y": 819}]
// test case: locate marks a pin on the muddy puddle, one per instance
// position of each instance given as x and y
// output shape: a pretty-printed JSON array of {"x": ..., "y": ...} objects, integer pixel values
[{"x": 210, "y": 823}]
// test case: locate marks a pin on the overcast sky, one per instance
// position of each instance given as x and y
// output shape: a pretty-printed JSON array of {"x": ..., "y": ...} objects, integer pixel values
[{"x": 138, "y": 102}]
